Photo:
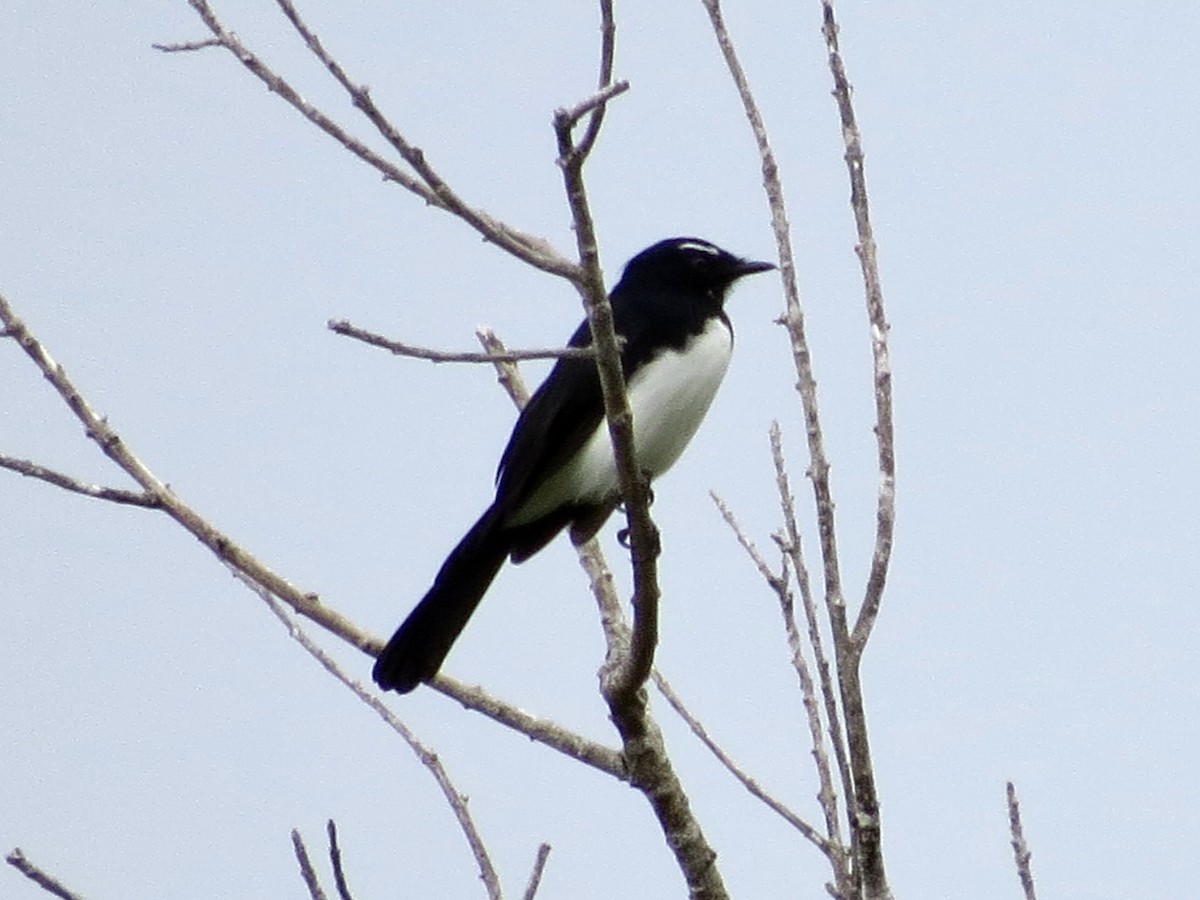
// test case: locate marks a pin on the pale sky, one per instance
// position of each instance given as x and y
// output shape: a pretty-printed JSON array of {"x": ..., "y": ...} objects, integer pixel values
[{"x": 178, "y": 237}]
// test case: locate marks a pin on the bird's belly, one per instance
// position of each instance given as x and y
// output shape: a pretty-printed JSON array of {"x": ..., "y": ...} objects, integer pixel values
[{"x": 668, "y": 397}]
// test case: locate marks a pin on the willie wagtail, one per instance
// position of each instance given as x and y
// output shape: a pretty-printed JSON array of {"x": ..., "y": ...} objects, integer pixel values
[{"x": 558, "y": 469}]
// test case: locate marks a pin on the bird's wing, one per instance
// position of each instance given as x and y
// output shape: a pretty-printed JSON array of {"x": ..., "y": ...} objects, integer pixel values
[
  {"x": 559, "y": 418},
  {"x": 565, "y": 410}
]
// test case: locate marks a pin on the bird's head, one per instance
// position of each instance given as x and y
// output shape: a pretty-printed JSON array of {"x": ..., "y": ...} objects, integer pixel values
[{"x": 690, "y": 262}]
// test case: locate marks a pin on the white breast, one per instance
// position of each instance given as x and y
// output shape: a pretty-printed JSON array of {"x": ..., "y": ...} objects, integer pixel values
[{"x": 669, "y": 396}]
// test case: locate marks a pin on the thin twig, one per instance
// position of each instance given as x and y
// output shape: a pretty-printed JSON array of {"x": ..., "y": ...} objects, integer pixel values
[
  {"x": 335, "y": 859},
  {"x": 832, "y": 844},
  {"x": 451, "y": 356},
  {"x": 594, "y": 103},
  {"x": 793, "y": 550},
  {"x": 533, "y": 250},
  {"x": 508, "y": 373},
  {"x": 591, "y": 556},
  {"x": 115, "y": 448},
  {"x": 429, "y": 759},
  {"x": 869, "y": 875},
  {"x": 885, "y": 515},
  {"x": 750, "y": 784},
  {"x": 46, "y": 882},
  {"x": 188, "y": 46},
  {"x": 535, "y": 877},
  {"x": 792, "y": 319},
  {"x": 544, "y": 731},
  {"x": 1021, "y": 854},
  {"x": 608, "y": 43},
  {"x": 307, "y": 872},
  {"x": 306, "y": 604},
  {"x": 66, "y": 482},
  {"x": 776, "y": 582},
  {"x": 613, "y": 624},
  {"x": 428, "y": 185},
  {"x": 600, "y": 579}
]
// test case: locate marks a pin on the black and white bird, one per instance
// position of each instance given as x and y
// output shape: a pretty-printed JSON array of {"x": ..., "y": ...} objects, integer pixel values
[{"x": 558, "y": 469}]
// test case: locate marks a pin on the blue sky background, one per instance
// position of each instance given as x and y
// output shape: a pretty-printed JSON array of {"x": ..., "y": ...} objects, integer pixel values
[{"x": 178, "y": 237}]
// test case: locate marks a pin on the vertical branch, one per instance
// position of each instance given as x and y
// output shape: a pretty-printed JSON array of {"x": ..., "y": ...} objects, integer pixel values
[
  {"x": 307, "y": 872},
  {"x": 849, "y": 646},
  {"x": 865, "y": 250},
  {"x": 863, "y": 800},
  {"x": 649, "y": 767},
  {"x": 608, "y": 41},
  {"x": 793, "y": 320},
  {"x": 335, "y": 860},
  {"x": 1021, "y": 854},
  {"x": 794, "y": 554},
  {"x": 624, "y": 683},
  {"x": 535, "y": 877}
]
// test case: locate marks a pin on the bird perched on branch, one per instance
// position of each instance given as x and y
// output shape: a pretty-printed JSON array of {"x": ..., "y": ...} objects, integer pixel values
[{"x": 558, "y": 470}]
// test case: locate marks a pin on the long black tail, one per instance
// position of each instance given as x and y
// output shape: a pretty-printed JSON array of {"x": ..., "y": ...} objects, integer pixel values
[{"x": 420, "y": 644}]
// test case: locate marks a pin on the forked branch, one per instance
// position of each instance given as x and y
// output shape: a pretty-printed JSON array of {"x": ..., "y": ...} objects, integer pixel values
[
  {"x": 307, "y": 604},
  {"x": 869, "y": 875}
]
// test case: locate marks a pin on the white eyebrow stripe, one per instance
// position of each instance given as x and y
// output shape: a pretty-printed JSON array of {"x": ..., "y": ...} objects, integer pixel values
[{"x": 696, "y": 245}]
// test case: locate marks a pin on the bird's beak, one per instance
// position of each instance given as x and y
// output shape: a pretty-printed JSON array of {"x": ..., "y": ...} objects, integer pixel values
[{"x": 750, "y": 266}]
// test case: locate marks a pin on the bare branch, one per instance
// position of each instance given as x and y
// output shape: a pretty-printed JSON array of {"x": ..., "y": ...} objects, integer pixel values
[
  {"x": 591, "y": 557},
  {"x": 617, "y": 634},
  {"x": 443, "y": 356},
  {"x": 188, "y": 46},
  {"x": 776, "y": 583},
  {"x": 335, "y": 859},
  {"x": 793, "y": 550},
  {"x": 535, "y": 877},
  {"x": 793, "y": 320},
  {"x": 833, "y": 847},
  {"x": 862, "y": 800},
  {"x": 113, "y": 495},
  {"x": 307, "y": 872},
  {"x": 608, "y": 41},
  {"x": 98, "y": 429},
  {"x": 508, "y": 373},
  {"x": 622, "y": 684},
  {"x": 697, "y": 727},
  {"x": 624, "y": 676},
  {"x": 794, "y": 316},
  {"x": 596, "y": 102},
  {"x": 1021, "y": 854},
  {"x": 243, "y": 564},
  {"x": 533, "y": 250},
  {"x": 848, "y": 646},
  {"x": 429, "y": 759},
  {"x": 612, "y": 620},
  {"x": 428, "y": 185},
  {"x": 544, "y": 731},
  {"x": 884, "y": 436},
  {"x": 48, "y": 883}
]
